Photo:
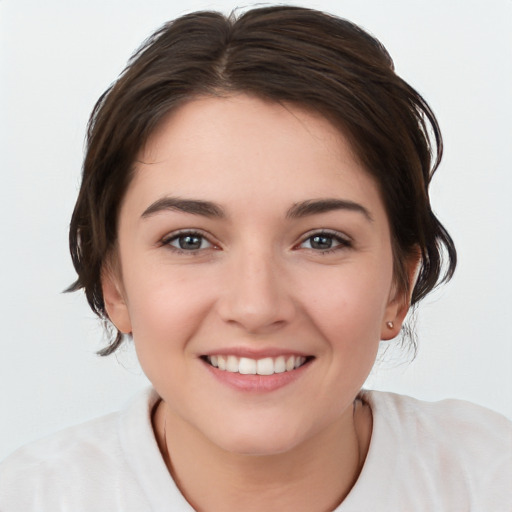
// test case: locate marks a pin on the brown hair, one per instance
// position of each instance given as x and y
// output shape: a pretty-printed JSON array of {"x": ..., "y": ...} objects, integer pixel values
[{"x": 283, "y": 54}]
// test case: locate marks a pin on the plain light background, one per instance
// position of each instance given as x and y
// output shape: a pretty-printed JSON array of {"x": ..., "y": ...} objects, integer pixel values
[{"x": 57, "y": 57}]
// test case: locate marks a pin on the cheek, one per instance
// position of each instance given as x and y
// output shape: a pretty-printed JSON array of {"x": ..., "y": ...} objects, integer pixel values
[
  {"x": 349, "y": 307},
  {"x": 164, "y": 319},
  {"x": 165, "y": 308}
]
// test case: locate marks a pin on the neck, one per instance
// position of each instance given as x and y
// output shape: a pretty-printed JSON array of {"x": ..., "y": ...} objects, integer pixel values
[{"x": 212, "y": 479}]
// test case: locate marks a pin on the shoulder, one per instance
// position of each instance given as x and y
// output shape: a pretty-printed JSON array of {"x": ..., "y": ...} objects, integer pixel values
[
  {"x": 91, "y": 453},
  {"x": 451, "y": 455},
  {"x": 66, "y": 444},
  {"x": 457, "y": 422}
]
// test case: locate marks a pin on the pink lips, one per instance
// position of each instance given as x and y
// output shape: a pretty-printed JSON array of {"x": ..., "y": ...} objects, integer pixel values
[
  {"x": 253, "y": 382},
  {"x": 255, "y": 353}
]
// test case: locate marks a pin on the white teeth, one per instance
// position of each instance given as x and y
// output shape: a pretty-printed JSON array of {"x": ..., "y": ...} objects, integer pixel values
[
  {"x": 232, "y": 364},
  {"x": 279, "y": 365},
  {"x": 265, "y": 366},
  {"x": 299, "y": 361},
  {"x": 248, "y": 366}
]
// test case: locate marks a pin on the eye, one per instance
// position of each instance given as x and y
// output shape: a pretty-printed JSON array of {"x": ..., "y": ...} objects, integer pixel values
[
  {"x": 189, "y": 241},
  {"x": 325, "y": 241}
]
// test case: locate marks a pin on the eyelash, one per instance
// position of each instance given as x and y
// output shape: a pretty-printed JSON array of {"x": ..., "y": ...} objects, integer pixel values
[
  {"x": 343, "y": 242},
  {"x": 166, "y": 241}
]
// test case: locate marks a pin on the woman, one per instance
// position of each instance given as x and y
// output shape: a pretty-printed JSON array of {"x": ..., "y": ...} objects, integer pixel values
[{"x": 254, "y": 213}]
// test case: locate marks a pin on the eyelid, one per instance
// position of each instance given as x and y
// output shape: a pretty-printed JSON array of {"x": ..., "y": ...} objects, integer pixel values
[
  {"x": 344, "y": 240},
  {"x": 173, "y": 235}
]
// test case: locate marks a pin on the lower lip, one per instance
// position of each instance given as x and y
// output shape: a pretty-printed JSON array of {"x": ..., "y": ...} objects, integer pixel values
[{"x": 257, "y": 383}]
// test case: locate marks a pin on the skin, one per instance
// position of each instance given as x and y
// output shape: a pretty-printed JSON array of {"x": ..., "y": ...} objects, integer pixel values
[{"x": 255, "y": 282}]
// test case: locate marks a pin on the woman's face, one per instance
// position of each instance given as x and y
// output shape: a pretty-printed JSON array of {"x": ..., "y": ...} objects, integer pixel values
[{"x": 252, "y": 240}]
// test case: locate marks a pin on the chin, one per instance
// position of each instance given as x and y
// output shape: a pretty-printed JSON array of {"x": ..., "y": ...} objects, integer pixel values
[
  {"x": 259, "y": 440},
  {"x": 259, "y": 447}
]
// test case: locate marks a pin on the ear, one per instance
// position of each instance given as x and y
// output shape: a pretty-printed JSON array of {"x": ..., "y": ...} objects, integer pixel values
[
  {"x": 400, "y": 301},
  {"x": 114, "y": 298}
]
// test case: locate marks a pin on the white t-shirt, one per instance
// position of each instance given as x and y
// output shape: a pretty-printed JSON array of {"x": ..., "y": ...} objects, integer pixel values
[{"x": 449, "y": 456}]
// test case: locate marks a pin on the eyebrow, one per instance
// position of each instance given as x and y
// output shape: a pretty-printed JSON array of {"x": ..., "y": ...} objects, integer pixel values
[
  {"x": 193, "y": 206},
  {"x": 316, "y": 206},
  {"x": 298, "y": 210}
]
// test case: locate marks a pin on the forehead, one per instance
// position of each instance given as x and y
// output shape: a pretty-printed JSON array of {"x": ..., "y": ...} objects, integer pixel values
[{"x": 241, "y": 146}]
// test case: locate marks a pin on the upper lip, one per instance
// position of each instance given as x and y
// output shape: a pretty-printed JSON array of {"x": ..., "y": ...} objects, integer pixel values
[{"x": 255, "y": 353}]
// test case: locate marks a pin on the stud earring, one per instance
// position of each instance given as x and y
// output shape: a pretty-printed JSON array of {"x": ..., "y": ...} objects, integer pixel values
[{"x": 390, "y": 325}]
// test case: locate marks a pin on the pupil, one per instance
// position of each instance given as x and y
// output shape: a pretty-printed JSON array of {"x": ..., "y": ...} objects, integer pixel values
[
  {"x": 190, "y": 242},
  {"x": 321, "y": 242}
]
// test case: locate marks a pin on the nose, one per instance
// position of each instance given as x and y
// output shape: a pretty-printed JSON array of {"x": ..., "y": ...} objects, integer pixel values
[{"x": 256, "y": 294}]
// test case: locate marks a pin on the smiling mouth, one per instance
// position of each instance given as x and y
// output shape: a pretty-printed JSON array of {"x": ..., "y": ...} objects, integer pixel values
[{"x": 264, "y": 366}]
